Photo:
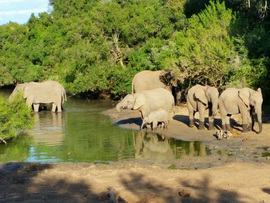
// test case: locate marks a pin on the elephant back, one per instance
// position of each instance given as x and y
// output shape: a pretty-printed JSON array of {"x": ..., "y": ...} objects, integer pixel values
[
  {"x": 159, "y": 98},
  {"x": 147, "y": 80},
  {"x": 57, "y": 87}
]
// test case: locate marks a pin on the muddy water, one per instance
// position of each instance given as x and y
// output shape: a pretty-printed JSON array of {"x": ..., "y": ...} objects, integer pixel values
[{"x": 83, "y": 134}]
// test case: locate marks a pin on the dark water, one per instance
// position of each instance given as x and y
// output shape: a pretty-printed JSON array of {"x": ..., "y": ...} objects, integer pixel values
[{"x": 83, "y": 134}]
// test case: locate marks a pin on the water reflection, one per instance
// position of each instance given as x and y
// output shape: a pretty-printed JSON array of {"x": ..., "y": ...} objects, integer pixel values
[
  {"x": 149, "y": 145},
  {"x": 17, "y": 149},
  {"x": 48, "y": 128}
]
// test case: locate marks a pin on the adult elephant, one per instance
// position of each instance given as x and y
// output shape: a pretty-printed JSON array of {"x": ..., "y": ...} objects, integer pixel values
[
  {"x": 48, "y": 92},
  {"x": 147, "y": 101},
  {"x": 200, "y": 98},
  {"x": 244, "y": 101},
  {"x": 148, "y": 80}
]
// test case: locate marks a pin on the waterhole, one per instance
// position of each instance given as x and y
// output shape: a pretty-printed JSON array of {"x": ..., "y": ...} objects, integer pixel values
[{"x": 81, "y": 133}]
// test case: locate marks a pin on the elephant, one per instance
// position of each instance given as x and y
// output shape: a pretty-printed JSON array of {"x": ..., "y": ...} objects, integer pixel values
[
  {"x": 147, "y": 101},
  {"x": 243, "y": 101},
  {"x": 148, "y": 80},
  {"x": 155, "y": 117},
  {"x": 48, "y": 92},
  {"x": 200, "y": 98}
]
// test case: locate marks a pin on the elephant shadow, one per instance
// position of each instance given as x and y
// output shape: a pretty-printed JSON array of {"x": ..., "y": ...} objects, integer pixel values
[
  {"x": 181, "y": 118},
  {"x": 136, "y": 121},
  {"x": 217, "y": 122},
  {"x": 266, "y": 119}
]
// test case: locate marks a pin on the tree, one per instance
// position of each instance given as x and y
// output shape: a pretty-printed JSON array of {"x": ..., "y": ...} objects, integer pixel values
[{"x": 205, "y": 50}]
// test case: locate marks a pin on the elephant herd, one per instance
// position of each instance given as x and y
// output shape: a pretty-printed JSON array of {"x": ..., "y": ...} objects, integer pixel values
[{"x": 155, "y": 101}]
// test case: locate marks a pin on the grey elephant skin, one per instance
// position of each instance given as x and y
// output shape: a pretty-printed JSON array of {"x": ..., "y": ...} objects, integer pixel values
[
  {"x": 155, "y": 117},
  {"x": 148, "y": 80},
  {"x": 48, "y": 92},
  {"x": 243, "y": 101},
  {"x": 147, "y": 101},
  {"x": 200, "y": 98}
]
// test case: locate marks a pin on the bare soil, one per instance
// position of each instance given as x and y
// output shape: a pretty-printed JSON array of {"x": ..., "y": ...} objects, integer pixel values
[{"x": 218, "y": 177}]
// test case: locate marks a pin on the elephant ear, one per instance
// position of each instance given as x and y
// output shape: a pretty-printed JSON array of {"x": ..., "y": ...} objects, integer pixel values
[
  {"x": 139, "y": 101},
  {"x": 244, "y": 95},
  {"x": 200, "y": 94}
]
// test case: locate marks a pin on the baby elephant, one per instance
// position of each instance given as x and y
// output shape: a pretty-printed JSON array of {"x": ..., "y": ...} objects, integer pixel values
[{"x": 155, "y": 117}]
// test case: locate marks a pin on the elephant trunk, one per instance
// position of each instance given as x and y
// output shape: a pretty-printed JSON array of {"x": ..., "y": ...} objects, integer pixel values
[
  {"x": 260, "y": 128},
  {"x": 118, "y": 107},
  {"x": 259, "y": 120}
]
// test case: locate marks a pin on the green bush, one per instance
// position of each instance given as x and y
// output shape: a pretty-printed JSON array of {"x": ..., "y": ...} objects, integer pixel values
[
  {"x": 95, "y": 46},
  {"x": 15, "y": 116}
]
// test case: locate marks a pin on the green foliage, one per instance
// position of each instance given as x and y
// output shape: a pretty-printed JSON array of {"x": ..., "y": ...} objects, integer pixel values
[
  {"x": 173, "y": 167},
  {"x": 205, "y": 50},
  {"x": 15, "y": 116},
  {"x": 100, "y": 45}
]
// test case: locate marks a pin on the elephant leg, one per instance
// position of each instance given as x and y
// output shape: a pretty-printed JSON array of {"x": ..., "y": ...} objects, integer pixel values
[
  {"x": 142, "y": 125},
  {"x": 154, "y": 125},
  {"x": 59, "y": 105},
  {"x": 202, "y": 115},
  {"x": 166, "y": 124},
  {"x": 211, "y": 123},
  {"x": 226, "y": 125},
  {"x": 246, "y": 119},
  {"x": 223, "y": 115},
  {"x": 36, "y": 108},
  {"x": 211, "y": 120},
  {"x": 191, "y": 114},
  {"x": 245, "y": 128},
  {"x": 201, "y": 125},
  {"x": 59, "y": 108},
  {"x": 250, "y": 123},
  {"x": 224, "y": 120},
  {"x": 53, "y": 107},
  {"x": 191, "y": 122},
  {"x": 191, "y": 118}
]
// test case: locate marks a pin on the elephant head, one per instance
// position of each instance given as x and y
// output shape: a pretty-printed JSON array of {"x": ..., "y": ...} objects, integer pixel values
[
  {"x": 253, "y": 99},
  {"x": 139, "y": 101},
  {"x": 126, "y": 103},
  {"x": 206, "y": 95},
  {"x": 18, "y": 88}
]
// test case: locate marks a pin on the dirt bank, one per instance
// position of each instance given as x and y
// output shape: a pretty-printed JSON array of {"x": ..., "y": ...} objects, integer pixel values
[{"x": 240, "y": 178}]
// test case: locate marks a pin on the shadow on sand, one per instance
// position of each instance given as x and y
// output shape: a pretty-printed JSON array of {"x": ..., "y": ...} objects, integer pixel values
[
  {"x": 217, "y": 123},
  {"x": 137, "y": 121},
  {"x": 19, "y": 183}
]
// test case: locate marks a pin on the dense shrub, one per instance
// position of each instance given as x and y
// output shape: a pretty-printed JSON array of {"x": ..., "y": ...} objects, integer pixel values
[
  {"x": 94, "y": 46},
  {"x": 15, "y": 116}
]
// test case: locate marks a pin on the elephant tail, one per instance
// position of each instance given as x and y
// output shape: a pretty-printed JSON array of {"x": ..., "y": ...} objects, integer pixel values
[
  {"x": 65, "y": 96},
  {"x": 132, "y": 88}
]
